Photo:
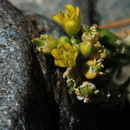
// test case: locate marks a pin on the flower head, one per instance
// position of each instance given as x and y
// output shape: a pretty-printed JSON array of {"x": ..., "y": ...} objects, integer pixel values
[
  {"x": 45, "y": 43},
  {"x": 65, "y": 55},
  {"x": 85, "y": 91},
  {"x": 70, "y": 20},
  {"x": 99, "y": 52},
  {"x": 90, "y": 34},
  {"x": 92, "y": 68}
]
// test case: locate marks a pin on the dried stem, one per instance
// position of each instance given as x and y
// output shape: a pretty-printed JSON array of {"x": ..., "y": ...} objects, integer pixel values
[{"x": 116, "y": 24}]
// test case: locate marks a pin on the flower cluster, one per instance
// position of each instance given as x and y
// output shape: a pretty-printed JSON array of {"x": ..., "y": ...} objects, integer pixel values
[
  {"x": 80, "y": 53},
  {"x": 46, "y": 43}
]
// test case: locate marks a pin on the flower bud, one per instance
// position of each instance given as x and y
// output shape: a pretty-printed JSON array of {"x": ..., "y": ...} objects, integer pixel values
[
  {"x": 87, "y": 88},
  {"x": 63, "y": 39},
  {"x": 85, "y": 91},
  {"x": 92, "y": 68},
  {"x": 72, "y": 27},
  {"x": 69, "y": 20},
  {"x": 89, "y": 69},
  {"x": 90, "y": 75},
  {"x": 73, "y": 41},
  {"x": 86, "y": 48},
  {"x": 51, "y": 44},
  {"x": 90, "y": 34},
  {"x": 46, "y": 43}
]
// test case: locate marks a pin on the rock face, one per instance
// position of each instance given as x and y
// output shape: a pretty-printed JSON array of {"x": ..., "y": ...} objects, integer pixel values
[{"x": 15, "y": 61}]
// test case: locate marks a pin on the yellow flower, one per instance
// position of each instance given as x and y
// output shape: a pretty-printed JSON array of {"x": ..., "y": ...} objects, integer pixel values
[
  {"x": 70, "y": 20},
  {"x": 45, "y": 43},
  {"x": 65, "y": 55},
  {"x": 91, "y": 68}
]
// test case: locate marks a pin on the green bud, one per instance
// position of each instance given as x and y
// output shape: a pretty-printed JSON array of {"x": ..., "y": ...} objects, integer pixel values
[
  {"x": 63, "y": 39},
  {"x": 86, "y": 48},
  {"x": 51, "y": 44},
  {"x": 73, "y": 41},
  {"x": 76, "y": 46},
  {"x": 87, "y": 88},
  {"x": 46, "y": 43},
  {"x": 86, "y": 91}
]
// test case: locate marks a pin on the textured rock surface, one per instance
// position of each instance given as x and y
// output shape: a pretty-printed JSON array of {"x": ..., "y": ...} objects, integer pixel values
[
  {"x": 15, "y": 61},
  {"x": 24, "y": 101},
  {"x": 23, "y": 98}
]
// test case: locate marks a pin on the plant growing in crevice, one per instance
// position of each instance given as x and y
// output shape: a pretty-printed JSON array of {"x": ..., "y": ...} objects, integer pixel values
[{"x": 85, "y": 53}]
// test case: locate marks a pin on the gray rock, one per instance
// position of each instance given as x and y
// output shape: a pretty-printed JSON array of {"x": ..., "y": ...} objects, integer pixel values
[
  {"x": 26, "y": 95},
  {"x": 15, "y": 61}
]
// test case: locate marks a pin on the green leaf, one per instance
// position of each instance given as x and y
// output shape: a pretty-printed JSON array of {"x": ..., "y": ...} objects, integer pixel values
[{"x": 109, "y": 39}]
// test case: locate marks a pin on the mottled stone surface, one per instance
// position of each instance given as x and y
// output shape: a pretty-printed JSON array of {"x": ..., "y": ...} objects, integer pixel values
[{"x": 14, "y": 67}]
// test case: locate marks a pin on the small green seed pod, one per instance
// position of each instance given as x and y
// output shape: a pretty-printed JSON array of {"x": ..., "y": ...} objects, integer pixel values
[
  {"x": 86, "y": 48},
  {"x": 63, "y": 39},
  {"x": 87, "y": 89},
  {"x": 74, "y": 41},
  {"x": 51, "y": 44}
]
